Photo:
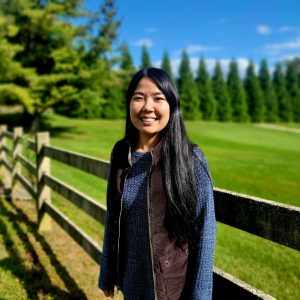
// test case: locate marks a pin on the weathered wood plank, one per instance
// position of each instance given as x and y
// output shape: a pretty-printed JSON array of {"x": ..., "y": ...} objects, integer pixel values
[
  {"x": 7, "y": 166},
  {"x": 271, "y": 220},
  {"x": 27, "y": 164},
  {"x": 7, "y": 150},
  {"x": 88, "y": 244},
  {"x": 85, "y": 163},
  {"x": 229, "y": 287},
  {"x": 87, "y": 204},
  {"x": 26, "y": 184}
]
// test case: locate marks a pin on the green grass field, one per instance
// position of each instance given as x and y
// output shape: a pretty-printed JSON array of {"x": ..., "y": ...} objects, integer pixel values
[{"x": 242, "y": 157}]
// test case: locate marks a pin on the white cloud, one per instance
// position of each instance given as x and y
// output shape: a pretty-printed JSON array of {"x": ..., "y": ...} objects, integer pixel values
[
  {"x": 151, "y": 29},
  {"x": 263, "y": 29},
  {"x": 210, "y": 65},
  {"x": 200, "y": 48},
  {"x": 288, "y": 29},
  {"x": 293, "y": 44},
  {"x": 192, "y": 49},
  {"x": 289, "y": 57},
  {"x": 144, "y": 42}
]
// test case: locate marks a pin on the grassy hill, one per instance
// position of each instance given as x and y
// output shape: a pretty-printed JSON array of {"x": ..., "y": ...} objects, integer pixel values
[{"x": 246, "y": 158}]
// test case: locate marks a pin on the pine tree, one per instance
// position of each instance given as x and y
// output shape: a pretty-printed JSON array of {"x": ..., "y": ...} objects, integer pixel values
[
  {"x": 206, "y": 96},
  {"x": 254, "y": 95},
  {"x": 188, "y": 90},
  {"x": 293, "y": 90},
  {"x": 125, "y": 73},
  {"x": 270, "y": 100},
  {"x": 221, "y": 94},
  {"x": 237, "y": 94},
  {"x": 166, "y": 64},
  {"x": 59, "y": 63},
  {"x": 126, "y": 62},
  {"x": 284, "y": 105},
  {"x": 146, "y": 60}
]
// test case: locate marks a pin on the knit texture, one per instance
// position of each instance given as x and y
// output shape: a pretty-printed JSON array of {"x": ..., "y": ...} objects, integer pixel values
[
  {"x": 136, "y": 268},
  {"x": 136, "y": 279}
]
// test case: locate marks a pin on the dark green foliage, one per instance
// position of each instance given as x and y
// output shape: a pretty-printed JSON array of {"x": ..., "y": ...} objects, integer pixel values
[
  {"x": 293, "y": 89},
  {"x": 126, "y": 62},
  {"x": 52, "y": 62},
  {"x": 284, "y": 104},
  {"x": 237, "y": 94},
  {"x": 188, "y": 90},
  {"x": 268, "y": 92},
  {"x": 221, "y": 94},
  {"x": 145, "y": 59},
  {"x": 166, "y": 64},
  {"x": 254, "y": 96},
  {"x": 206, "y": 96},
  {"x": 124, "y": 74}
]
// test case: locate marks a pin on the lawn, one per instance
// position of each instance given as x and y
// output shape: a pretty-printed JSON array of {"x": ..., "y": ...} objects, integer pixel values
[{"x": 263, "y": 162}]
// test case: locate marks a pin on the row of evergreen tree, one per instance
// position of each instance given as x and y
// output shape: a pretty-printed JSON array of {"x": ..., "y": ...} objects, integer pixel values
[
  {"x": 257, "y": 97},
  {"x": 50, "y": 60}
]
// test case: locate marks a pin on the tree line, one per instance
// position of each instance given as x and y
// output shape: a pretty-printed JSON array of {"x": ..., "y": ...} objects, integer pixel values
[{"x": 56, "y": 54}]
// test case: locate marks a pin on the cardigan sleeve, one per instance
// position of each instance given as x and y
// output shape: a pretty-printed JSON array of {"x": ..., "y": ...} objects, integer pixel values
[
  {"x": 199, "y": 279},
  {"x": 107, "y": 277}
]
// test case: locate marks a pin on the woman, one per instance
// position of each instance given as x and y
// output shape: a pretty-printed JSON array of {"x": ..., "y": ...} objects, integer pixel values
[{"x": 160, "y": 227}]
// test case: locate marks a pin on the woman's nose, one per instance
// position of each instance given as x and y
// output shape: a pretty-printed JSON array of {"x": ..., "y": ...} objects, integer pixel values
[{"x": 148, "y": 105}]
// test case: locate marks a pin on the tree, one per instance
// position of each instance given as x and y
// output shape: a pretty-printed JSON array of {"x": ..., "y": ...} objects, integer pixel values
[
  {"x": 188, "y": 90},
  {"x": 57, "y": 60},
  {"x": 284, "y": 105},
  {"x": 221, "y": 94},
  {"x": 146, "y": 60},
  {"x": 166, "y": 64},
  {"x": 293, "y": 89},
  {"x": 125, "y": 73},
  {"x": 206, "y": 96},
  {"x": 237, "y": 94},
  {"x": 270, "y": 100},
  {"x": 254, "y": 98},
  {"x": 126, "y": 62}
]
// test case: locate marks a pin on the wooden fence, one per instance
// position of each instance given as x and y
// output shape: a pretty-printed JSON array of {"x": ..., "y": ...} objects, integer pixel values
[{"x": 270, "y": 220}]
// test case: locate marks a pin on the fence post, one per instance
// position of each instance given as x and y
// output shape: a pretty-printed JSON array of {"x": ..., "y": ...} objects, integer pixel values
[
  {"x": 17, "y": 149},
  {"x": 7, "y": 181},
  {"x": 43, "y": 191}
]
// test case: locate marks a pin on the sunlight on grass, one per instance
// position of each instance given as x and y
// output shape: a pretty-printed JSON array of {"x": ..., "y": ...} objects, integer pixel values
[{"x": 242, "y": 157}]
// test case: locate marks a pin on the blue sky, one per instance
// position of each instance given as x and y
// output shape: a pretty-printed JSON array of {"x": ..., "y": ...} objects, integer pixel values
[{"x": 249, "y": 29}]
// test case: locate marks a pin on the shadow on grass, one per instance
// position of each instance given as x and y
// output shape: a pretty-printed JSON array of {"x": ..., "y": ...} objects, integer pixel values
[
  {"x": 18, "y": 119},
  {"x": 35, "y": 280}
]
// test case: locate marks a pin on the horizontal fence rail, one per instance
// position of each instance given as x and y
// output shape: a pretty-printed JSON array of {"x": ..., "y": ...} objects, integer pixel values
[
  {"x": 85, "y": 163},
  {"x": 27, "y": 164},
  {"x": 87, "y": 204},
  {"x": 88, "y": 244},
  {"x": 230, "y": 287},
  {"x": 26, "y": 184},
  {"x": 259, "y": 216}
]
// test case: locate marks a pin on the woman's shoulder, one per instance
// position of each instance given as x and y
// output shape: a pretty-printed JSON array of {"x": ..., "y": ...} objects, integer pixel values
[
  {"x": 200, "y": 161},
  {"x": 198, "y": 154}
]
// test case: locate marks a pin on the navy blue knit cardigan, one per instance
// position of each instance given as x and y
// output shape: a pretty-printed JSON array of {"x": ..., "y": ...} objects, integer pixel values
[{"x": 136, "y": 274}]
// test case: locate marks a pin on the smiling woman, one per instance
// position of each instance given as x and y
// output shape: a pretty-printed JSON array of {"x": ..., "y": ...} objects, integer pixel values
[
  {"x": 149, "y": 113},
  {"x": 160, "y": 227}
]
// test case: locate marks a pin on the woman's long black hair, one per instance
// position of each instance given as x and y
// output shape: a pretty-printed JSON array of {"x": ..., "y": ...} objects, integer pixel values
[{"x": 176, "y": 160}]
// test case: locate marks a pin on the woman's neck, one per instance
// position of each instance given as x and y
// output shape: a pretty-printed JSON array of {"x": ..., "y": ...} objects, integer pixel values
[{"x": 146, "y": 144}]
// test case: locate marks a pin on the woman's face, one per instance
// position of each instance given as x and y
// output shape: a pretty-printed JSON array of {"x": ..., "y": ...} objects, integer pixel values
[{"x": 149, "y": 109}]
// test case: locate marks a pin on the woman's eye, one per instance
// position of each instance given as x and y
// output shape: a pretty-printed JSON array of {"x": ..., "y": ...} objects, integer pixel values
[
  {"x": 159, "y": 98},
  {"x": 137, "y": 99}
]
